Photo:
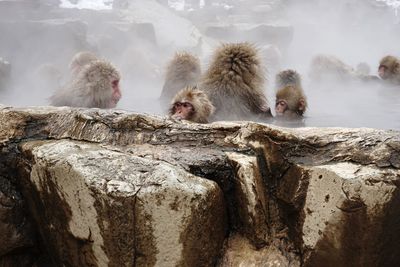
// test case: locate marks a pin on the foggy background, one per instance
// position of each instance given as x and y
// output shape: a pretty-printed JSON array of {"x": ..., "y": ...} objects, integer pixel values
[{"x": 39, "y": 38}]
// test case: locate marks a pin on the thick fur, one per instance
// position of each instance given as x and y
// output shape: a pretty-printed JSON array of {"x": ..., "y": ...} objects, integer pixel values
[
  {"x": 393, "y": 69},
  {"x": 286, "y": 78},
  {"x": 203, "y": 108},
  {"x": 234, "y": 82},
  {"x": 183, "y": 70},
  {"x": 91, "y": 88},
  {"x": 292, "y": 95}
]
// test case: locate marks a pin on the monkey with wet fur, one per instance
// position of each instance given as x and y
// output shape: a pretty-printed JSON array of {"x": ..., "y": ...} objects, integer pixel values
[
  {"x": 183, "y": 70},
  {"x": 234, "y": 82},
  {"x": 291, "y": 102},
  {"x": 96, "y": 86},
  {"x": 389, "y": 69},
  {"x": 191, "y": 104}
]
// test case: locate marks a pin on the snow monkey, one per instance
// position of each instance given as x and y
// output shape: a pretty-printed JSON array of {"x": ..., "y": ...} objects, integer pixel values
[
  {"x": 234, "y": 82},
  {"x": 291, "y": 102},
  {"x": 389, "y": 69},
  {"x": 79, "y": 60},
  {"x": 191, "y": 104},
  {"x": 182, "y": 70},
  {"x": 325, "y": 67},
  {"x": 330, "y": 68},
  {"x": 96, "y": 86}
]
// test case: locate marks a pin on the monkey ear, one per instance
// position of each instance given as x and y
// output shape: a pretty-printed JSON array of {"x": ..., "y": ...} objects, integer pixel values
[
  {"x": 396, "y": 67},
  {"x": 302, "y": 104}
]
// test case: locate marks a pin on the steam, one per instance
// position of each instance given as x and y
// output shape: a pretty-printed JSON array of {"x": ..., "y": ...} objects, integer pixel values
[{"x": 354, "y": 31}]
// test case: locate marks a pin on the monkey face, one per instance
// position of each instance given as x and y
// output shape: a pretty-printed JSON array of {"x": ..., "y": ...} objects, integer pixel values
[
  {"x": 183, "y": 111},
  {"x": 383, "y": 72},
  {"x": 116, "y": 92},
  {"x": 280, "y": 107}
]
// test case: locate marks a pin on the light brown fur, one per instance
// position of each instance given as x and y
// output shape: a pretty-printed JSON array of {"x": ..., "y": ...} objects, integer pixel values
[
  {"x": 90, "y": 89},
  {"x": 393, "y": 69},
  {"x": 234, "y": 82},
  {"x": 295, "y": 98},
  {"x": 183, "y": 70},
  {"x": 81, "y": 59},
  {"x": 203, "y": 108}
]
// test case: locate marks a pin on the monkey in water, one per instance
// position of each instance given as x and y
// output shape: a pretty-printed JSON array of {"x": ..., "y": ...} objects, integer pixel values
[
  {"x": 330, "y": 68},
  {"x": 291, "y": 102},
  {"x": 389, "y": 69},
  {"x": 96, "y": 86},
  {"x": 191, "y": 104},
  {"x": 234, "y": 82},
  {"x": 183, "y": 70}
]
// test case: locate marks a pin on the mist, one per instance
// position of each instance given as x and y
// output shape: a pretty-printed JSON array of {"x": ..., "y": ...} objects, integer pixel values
[{"x": 39, "y": 38}]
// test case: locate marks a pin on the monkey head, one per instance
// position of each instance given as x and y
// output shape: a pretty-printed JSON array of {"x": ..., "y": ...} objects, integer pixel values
[
  {"x": 389, "y": 67},
  {"x": 191, "y": 104},
  {"x": 101, "y": 81},
  {"x": 290, "y": 99}
]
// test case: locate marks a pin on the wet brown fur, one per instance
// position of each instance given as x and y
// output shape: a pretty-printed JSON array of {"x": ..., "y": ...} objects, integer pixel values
[
  {"x": 90, "y": 89},
  {"x": 234, "y": 82},
  {"x": 183, "y": 70},
  {"x": 393, "y": 69},
  {"x": 203, "y": 108}
]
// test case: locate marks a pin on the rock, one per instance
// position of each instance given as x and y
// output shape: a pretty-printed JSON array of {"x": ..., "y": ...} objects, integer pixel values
[
  {"x": 279, "y": 35},
  {"x": 116, "y": 209},
  {"x": 170, "y": 29},
  {"x": 17, "y": 235},
  {"x": 33, "y": 34},
  {"x": 109, "y": 187}
]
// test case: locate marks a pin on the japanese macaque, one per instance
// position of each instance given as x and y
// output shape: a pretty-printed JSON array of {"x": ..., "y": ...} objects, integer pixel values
[
  {"x": 183, "y": 70},
  {"x": 331, "y": 69},
  {"x": 96, "y": 86},
  {"x": 291, "y": 102},
  {"x": 234, "y": 82},
  {"x": 191, "y": 104},
  {"x": 79, "y": 60},
  {"x": 325, "y": 67},
  {"x": 389, "y": 69},
  {"x": 5, "y": 73}
]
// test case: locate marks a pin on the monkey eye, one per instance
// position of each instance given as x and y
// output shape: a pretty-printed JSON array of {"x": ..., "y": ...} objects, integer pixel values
[
  {"x": 185, "y": 105},
  {"x": 114, "y": 83}
]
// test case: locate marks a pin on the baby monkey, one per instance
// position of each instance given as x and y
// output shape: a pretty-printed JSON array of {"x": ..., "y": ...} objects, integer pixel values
[{"x": 191, "y": 104}]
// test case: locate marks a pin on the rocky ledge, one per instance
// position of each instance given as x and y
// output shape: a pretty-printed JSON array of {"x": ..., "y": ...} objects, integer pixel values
[{"x": 88, "y": 187}]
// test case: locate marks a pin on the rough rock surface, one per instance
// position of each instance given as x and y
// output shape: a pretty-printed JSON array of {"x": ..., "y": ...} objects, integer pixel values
[{"x": 115, "y": 188}]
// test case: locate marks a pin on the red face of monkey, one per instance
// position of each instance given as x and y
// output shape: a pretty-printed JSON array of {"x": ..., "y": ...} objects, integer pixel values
[{"x": 183, "y": 110}]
